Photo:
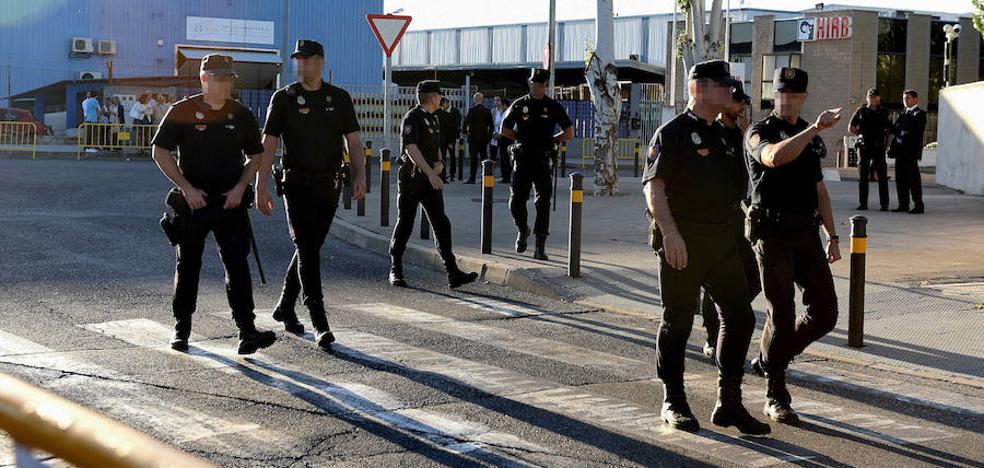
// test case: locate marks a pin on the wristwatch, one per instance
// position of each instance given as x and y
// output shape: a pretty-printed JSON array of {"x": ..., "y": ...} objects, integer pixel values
[{"x": 834, "y": 238}]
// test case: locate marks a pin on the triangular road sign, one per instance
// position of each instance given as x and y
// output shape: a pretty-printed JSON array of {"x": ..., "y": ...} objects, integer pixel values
[{"x": 389, "y": 30}]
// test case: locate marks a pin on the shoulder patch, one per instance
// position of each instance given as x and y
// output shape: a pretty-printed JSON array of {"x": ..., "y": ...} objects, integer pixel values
[{"x": 407, "y": 129}]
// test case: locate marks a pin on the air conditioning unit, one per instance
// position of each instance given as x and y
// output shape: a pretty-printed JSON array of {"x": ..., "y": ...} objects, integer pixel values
[
  {"x": 107, "y": 47},
  {"x": 90, "y": 75},
  {"x": 81, "y": 45}
]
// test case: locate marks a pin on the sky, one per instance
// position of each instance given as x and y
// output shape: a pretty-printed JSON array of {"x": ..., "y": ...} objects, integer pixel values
[{"x": 432, "y": 14}]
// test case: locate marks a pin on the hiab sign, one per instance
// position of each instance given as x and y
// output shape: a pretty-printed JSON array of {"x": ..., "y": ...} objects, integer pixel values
[{"x": 823, "y": 28}]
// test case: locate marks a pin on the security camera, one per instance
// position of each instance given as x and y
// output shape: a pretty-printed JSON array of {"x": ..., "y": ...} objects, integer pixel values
[{"x": 956, "y": 28}]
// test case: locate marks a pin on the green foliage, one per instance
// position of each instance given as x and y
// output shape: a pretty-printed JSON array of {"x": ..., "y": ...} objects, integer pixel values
[{"x": 978, "y": 15}]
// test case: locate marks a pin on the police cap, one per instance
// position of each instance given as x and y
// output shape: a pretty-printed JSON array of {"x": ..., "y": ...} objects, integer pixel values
[
  {"x": 539, "y": 75},
  {"x": 790, "y": 80},
  {"x": 306, "y": 48},
  {"x": 430, "y": 86},
  {"x": 872, "y": 92},
  {"x": 218, "y": 65},
  {"x": 738, "y": 94},
  {"x": 717, "y": 70}
]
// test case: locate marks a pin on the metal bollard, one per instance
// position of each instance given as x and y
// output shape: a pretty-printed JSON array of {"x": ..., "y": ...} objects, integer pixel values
[
  {"x": 635, "y": 167},
  {"x": 859, "y": 246},
  {"x": 461, "y": 158},
  {"x": 574, "y": 233},
  {"x": 488, "y": 191},
  {"x": 384, "y": 186},
  {"x": 563, "y": 159},
  {"x": 425, "y": 227},
  {"x": 368, "y": 153}
]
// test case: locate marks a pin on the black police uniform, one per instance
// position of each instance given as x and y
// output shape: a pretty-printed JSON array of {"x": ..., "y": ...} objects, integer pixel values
[
  {"x": 210, "y": 145},
  {"x": 313, "y": 125},
  {"x": 749, "y": 264},
  {"x": 534, "y": 121},
  {"x": 421, "y": 128},
  {"x": 872, "y": 125},
  {"x": 785, "y": 220},
  {"x": 479, "y": 125},
  {"x": 906, "y": 148},
  {"x": 448, "y": 130}
]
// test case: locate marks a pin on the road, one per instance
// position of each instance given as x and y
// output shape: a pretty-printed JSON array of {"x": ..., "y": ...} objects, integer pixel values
[{"x": 420, "y": 377}]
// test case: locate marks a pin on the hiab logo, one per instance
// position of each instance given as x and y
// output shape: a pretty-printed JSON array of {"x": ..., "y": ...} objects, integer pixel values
[{"x": 824, "y": 28}]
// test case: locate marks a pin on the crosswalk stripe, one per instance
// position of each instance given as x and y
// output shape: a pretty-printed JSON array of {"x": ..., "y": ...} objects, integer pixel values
[
  {"x": 129, "y": 402},
  {"x": 884, "y": 428},
  {"x": 355, "y": 401},
  {"x": 512, "y": 340},
  {"x": 596, "y": 409}
]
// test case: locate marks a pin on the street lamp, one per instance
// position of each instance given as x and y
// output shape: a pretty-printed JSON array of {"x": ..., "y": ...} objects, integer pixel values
[{"x": 952, "y": 32}]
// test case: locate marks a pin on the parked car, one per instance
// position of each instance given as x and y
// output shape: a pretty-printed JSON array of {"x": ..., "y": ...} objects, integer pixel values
[{"x": 8, "y": 114}]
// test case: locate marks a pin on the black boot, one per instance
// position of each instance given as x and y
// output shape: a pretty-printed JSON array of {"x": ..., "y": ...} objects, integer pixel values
[
  {"x": 541, "y": 245},
  {"x": 396, "y": 273},
  {"x": 323, "y": 336},
  {"x": 521, "y": 239},
  {"x": 182, "y": 330},
  {"x": 286, "y": 314},
  {"x": 458, "y": 278},
  {"x": 729, "y": 410},
  {"x": 251, "y": 339},
  {"x": 675, "y": 411},
  {"x": 777, "y": 402},
  {"x": 758, "y": 367}
]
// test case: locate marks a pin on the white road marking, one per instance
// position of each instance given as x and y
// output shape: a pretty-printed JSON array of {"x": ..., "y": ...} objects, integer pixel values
[
  {"x": 129, "y": 401},
  {"x": 513, "y": 341},
  {"x": 338, "y": 398},
  {"x": 591, "y": 408}
]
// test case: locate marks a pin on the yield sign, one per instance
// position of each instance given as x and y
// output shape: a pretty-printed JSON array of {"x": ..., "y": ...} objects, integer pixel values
[{"x": 389, "y": 30}]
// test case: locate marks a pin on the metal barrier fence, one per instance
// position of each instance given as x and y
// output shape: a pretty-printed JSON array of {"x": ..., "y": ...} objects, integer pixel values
[
  {"x": 584, "y": 147},
  {"x": 19, "y": 136},
  {"x": 368, "y": 102},
  {"x": 107, "y": 136},
  {"x": 38, "y": 419}
]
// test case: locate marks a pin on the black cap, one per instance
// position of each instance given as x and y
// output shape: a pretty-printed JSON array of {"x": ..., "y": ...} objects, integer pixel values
[
  {"x": 873, "y": 92},
  {"x": 792, "y": 80},
  {"x": 717, "y": 70},
  {"x": 218, "y": 65},
  {"x": 307, "y": 48},
  {"x": 738, "y": 94},
  {"x": 430, "y": 86},
  {"x": 539, "y": 75}
]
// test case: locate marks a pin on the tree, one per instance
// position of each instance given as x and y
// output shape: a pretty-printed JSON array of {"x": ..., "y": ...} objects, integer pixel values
[
  {"x": 602, "y": 78},
  {"x": 700, "y": 41},
  {"x": 979, "y": 15}
]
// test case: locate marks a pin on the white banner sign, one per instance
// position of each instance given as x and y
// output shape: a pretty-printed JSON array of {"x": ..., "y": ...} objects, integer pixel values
[{"x": 229, "y": 30}]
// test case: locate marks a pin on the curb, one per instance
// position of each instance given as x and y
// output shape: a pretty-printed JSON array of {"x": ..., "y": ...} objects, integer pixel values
[
  {"x": 530, "y": 280},
  {"x": 497, "y": 273}
]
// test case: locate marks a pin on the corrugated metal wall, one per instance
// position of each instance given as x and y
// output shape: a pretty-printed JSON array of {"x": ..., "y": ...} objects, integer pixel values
[
  {"x": 577, "y": 35},
  {"x": 536, "y": 38},
  {"x": 507, "y": 42},
  {"x": 628, "y": 37},
  {"x": 475, "y": 45},
  {"x": 443, "y": 47},
  {"x": 36, "y": 35}
]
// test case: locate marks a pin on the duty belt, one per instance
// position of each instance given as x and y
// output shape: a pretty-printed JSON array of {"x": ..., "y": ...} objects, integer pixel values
[
  {"x": 792, "y": 219},
  {"x": 293, "y": 176}
]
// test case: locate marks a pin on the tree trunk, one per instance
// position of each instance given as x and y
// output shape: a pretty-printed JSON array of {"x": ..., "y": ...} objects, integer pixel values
[{"x": 602, "y": 78}]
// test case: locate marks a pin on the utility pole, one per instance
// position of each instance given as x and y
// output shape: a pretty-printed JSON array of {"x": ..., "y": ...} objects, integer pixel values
[
  {"x": 10, "y": 88},
  {"x": 552, "y": 46}
]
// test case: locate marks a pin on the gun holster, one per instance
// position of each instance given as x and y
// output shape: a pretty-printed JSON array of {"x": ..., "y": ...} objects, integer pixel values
[
  {"x": 346, "y": 175},
  {"x": 756, "y": 220},
  {"x": 655, "y": 235},
  {"x": 170, "y": 228}
]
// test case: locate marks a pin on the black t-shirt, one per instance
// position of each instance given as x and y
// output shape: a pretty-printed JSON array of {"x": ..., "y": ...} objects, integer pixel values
[
  {"x": 313, "y": 125},
  {"x": 535, "y": 121},
  {"x": 699, "y": 168},
  {"x": 210, "y": 143},
  {"x": 423, "y": 129},
  {"x": 790, "y": 188},
  {"x": 872, "y": 124}
]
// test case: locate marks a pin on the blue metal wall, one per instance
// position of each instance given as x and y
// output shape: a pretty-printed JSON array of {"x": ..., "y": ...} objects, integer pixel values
[{"x": 35, "y": 35}]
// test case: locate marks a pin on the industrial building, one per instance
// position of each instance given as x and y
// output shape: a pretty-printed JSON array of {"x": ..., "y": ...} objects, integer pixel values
[{"x": 53, "y": 51}]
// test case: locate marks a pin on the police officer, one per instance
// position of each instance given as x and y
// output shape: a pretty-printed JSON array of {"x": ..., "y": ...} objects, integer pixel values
[
  {"x": 479, "y": 128},
  {"x": 317, "y": 122},
  {"x": 906, "y": 148},
  {"x": 689, "y": 183},
  {"x": 449, "y": 134},
  {"x": 211, "y": 133},
  {"x": 532, "y": 121},
  {"x": 734, "y": 119},
  {"x": 789, "y": 201},
  {"x": 419, "y": 183},
  {"x": 871, "y": 124}
]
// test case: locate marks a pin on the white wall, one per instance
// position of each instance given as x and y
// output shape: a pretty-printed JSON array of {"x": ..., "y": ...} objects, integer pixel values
[{"x": 960, "y": 150}]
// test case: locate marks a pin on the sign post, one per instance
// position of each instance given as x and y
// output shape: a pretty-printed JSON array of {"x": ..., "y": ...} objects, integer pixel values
[{"x": 389, "y": 30}]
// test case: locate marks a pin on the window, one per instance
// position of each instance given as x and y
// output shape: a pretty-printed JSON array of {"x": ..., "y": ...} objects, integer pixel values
[
  {"x": 741, "y": 39},
  {"x": 747, "y": 60},
  {"x": 890, "y": 65},
  {"x": 771, "y": 63},
  {"x": 784, "y": 36}
]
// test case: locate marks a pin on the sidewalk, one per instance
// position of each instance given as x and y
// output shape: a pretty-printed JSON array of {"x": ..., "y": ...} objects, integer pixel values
[{"x": 925, "y": 274}]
